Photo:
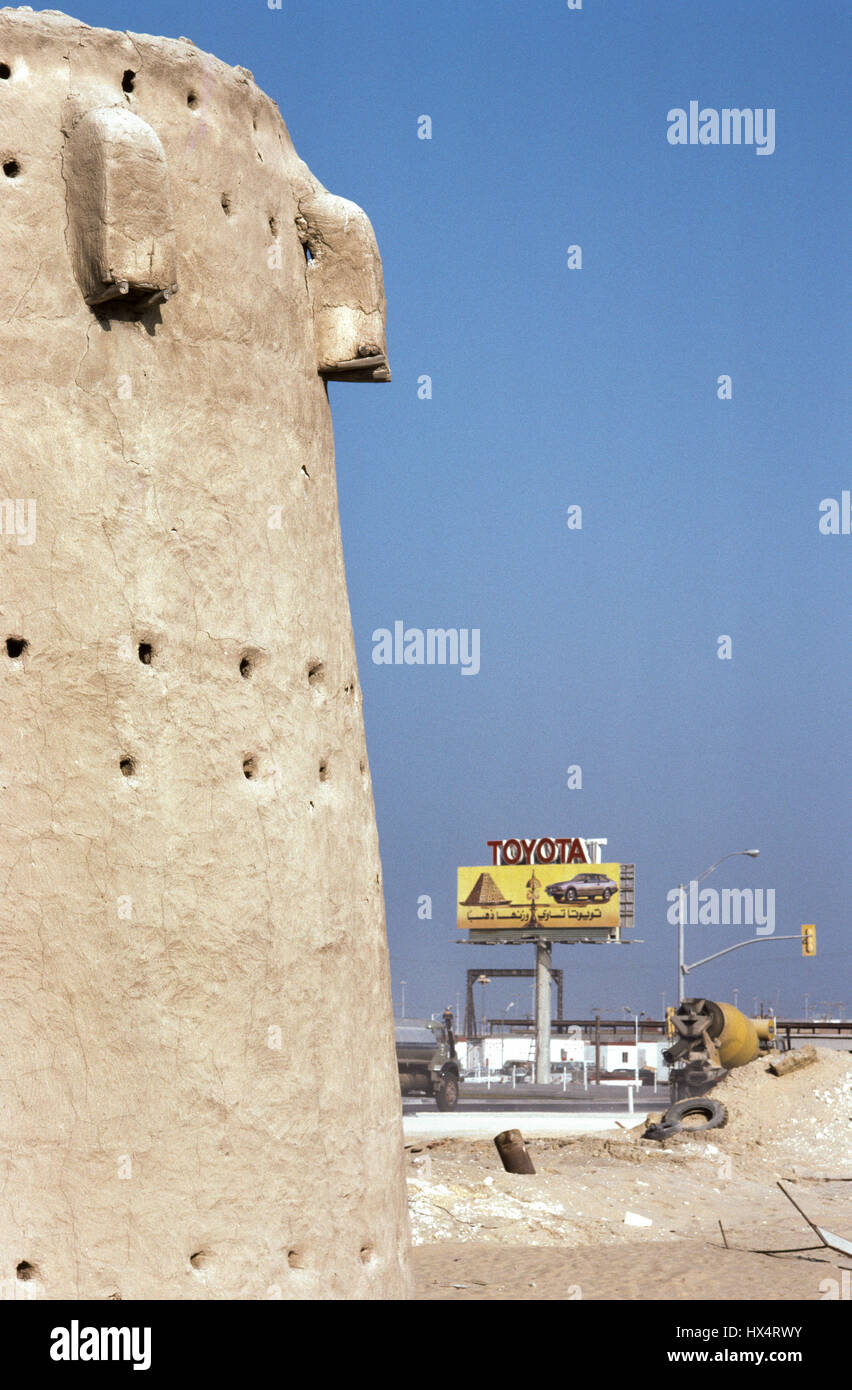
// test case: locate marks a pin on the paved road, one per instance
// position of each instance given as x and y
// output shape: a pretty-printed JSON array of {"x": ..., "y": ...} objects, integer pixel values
[{"x": 477, "y": 1100}]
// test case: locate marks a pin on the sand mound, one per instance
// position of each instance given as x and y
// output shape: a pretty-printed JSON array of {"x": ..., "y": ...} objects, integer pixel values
[{"x": 803, "y": 1120}]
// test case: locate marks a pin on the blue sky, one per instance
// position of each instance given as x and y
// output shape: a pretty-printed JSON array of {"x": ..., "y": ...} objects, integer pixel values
[{"x": 597, "y": 387}]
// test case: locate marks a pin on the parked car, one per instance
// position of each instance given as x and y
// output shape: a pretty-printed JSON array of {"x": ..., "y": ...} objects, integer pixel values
[{"x": 583, "y": 886}]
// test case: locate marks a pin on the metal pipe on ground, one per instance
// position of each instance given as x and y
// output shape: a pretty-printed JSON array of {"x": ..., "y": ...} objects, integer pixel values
[{"x": 513, "y": 1152}]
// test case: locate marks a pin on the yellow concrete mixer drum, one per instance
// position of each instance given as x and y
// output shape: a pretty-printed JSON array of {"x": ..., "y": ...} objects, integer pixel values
[{"x": 739, "y": 1040}]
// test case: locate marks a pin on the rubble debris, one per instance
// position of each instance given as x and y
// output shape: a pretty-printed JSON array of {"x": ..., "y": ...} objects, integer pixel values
[{"x": 793, "y": 1061}]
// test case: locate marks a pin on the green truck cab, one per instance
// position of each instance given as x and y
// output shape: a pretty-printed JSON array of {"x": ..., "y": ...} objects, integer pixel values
[{"x": 426, "y": 1058}]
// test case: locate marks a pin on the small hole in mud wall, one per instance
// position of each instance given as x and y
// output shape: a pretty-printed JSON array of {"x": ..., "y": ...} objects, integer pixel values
[
  {"x": 201, "y": 1259},
  {"x": 295, "y": 1259},
  {"x": 316, "y": 673},
  {"x": 246, "y": 668},
  {"x": 16, "y": 646},
  {"x": 226, "y": 204},
  {"x": 146, "y": 651},
  {"x": 5, "y": 71},
  {"x": 127, "y": 80},
  {"x": 366, "y": 1254},
  {"x": 26, "y": 1271},
  {"x": 192, "y": 99},
  {"x": 323, "y": 771},
  {"x": 249, "y": 767},
  {"x": 273, "y": 225},
  {"x": 128, "y": 766},
  {"x": 11, "y": 168}
]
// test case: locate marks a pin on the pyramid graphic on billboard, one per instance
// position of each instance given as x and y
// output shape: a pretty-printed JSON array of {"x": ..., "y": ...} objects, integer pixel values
[{"x": 485, "y": 893}]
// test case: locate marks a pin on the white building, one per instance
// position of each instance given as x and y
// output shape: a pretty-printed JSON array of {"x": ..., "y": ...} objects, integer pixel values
[{"x": 499, "y": 1051}]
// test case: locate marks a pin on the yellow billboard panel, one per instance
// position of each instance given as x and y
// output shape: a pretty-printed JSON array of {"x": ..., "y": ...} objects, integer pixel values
[{"x": 523, "y": 896}]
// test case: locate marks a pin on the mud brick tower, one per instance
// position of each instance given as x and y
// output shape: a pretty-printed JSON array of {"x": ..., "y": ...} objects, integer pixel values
[{"x": 198, "y": 1092}]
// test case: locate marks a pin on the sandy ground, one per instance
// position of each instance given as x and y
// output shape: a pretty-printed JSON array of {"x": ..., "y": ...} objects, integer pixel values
[{"x": 620, "y": 1217}]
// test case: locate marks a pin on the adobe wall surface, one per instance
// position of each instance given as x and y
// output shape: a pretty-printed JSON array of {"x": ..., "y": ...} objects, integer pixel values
[{"x": 192, "y": 906}]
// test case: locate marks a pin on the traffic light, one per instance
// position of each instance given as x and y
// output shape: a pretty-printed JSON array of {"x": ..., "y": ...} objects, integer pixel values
[{"x": 808, "y": 940}]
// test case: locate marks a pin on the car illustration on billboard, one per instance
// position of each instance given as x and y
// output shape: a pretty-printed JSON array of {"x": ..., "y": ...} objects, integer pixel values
[{"x": 582, "y": 886}]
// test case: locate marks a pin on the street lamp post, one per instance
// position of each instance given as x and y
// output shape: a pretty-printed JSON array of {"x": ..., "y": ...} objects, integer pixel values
[
  {"x": 403, "y": 983},
  {"x": 483, "y": 980},
  {"x": 681, "y": 915},
  {"x": 503, "y": 1034}
]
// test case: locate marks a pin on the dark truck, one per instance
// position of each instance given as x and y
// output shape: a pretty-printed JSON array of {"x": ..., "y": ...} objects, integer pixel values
[{"x": 426, "y": 1058}]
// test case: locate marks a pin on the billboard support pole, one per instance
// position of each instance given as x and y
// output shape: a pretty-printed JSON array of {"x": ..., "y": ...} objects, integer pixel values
[{"x": 543, "y": 982}]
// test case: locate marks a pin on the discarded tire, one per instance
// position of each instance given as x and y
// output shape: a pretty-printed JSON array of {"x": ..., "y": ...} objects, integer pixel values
[
  {"x": 662, "y": 1131},
  {"x": 712, "y": 1112}
]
